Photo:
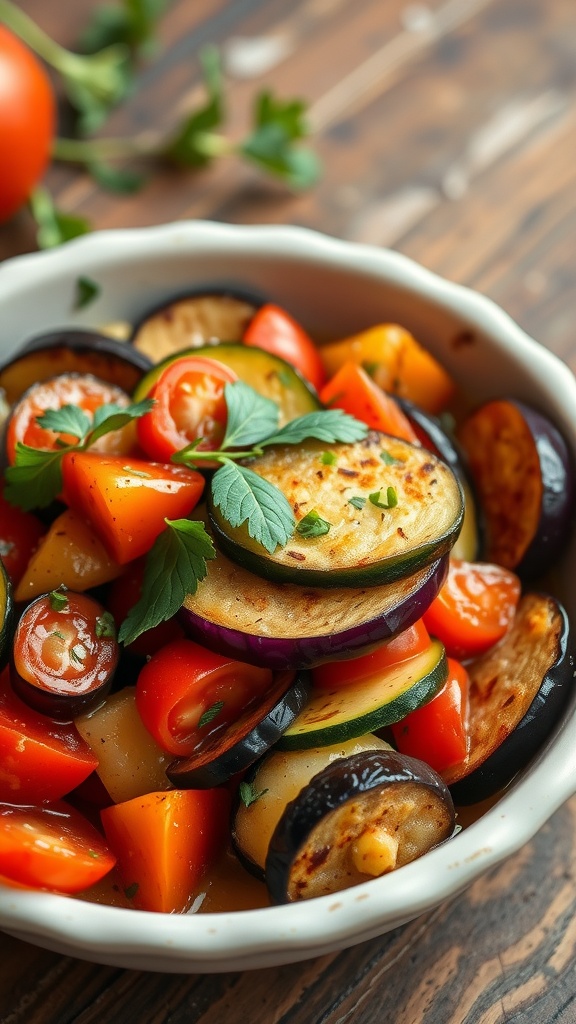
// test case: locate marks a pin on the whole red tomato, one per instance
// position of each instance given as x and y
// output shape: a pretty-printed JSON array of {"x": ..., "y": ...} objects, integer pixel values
[{"x": 27, "y": 122}]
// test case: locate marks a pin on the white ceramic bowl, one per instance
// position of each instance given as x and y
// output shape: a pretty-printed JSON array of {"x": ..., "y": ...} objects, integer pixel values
[{"x": 334, "y": 288}]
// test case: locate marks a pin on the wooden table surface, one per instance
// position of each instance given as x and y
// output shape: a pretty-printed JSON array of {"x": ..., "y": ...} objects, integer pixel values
[{"x": 447, "y": 131}]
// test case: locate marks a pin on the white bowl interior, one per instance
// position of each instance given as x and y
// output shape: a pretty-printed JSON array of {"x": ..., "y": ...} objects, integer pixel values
[{"x": 334, "y": 288}]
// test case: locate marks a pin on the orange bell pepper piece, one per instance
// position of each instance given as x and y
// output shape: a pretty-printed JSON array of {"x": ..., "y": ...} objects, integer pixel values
[{"x": 354, "y": 391}]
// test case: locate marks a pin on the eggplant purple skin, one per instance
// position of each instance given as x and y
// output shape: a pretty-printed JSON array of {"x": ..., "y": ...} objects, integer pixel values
[
  {"x": 250, "y": 748},
  {"x": 280, "y": 653},
  {"x": 558, "y": 495},
  {"x": 524, "y": 742},
  {"x": 342, "y": 780},
  {"x": 61, "y": 707}
]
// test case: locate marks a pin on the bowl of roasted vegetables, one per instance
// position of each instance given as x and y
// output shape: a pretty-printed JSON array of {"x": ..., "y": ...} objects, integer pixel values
[{"x": 286, "y": 618}]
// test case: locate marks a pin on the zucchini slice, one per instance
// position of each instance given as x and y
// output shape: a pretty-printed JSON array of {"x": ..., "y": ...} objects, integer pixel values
[
  {"x": 332, "y": 716},
  {"x": 518, "y": 690},
  {"x": 366, "y": 543},
  {"x": 191, "y": 321},
  {"x": 266, "y": 373},
  {"x": 361, "y": 817}
]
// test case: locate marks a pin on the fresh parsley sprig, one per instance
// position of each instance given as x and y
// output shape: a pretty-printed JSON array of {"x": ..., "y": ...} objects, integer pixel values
[
  {"x": 175, "y": 565},
  {"x": 243, "y": 496},
  {"x": 35, "y": 479}
]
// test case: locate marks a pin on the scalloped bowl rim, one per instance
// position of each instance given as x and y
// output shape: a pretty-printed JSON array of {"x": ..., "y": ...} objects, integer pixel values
[{"x": 278, "y": 935}]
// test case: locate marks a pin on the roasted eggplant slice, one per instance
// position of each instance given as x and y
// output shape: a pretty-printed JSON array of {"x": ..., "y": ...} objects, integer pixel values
[
  {"x": 191, "y": 321},
  {"x": 517, "y": 692},
  {"x": 387, "y": 509},
  {"x": 271, "y": 784},
  {"x": 72, "y": 351},
  {"x": 283, "y": 626},
  {"x": 525, "y": 482},
  {"x": 360, "y": 817},
  {"x": 237, "y": 747}
]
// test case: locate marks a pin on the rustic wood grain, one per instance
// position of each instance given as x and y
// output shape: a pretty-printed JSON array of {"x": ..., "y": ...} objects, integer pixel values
[{"x": 447, "y": 131}]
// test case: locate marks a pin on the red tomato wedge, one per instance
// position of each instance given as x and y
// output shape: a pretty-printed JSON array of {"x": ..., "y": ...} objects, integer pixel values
[
  {"x": 20, "y": 533},
  {"x": 474, "y": 608},
  {"x": 437, "y": 732},
  {"x": 354, "y": 391},
  {"x": 83, "y": 390},
  {"x": 128, "y": 500},
  {"x": 39, "y": 760},
  {"x": 273, "y": 330},
  {"x": 186, "y": 693},
  {"x": 189, "y": 404},
  {"x": 164, "y": 843},
  {"x": 410, "y": 642},
  {"x": 53, "y": 848}
]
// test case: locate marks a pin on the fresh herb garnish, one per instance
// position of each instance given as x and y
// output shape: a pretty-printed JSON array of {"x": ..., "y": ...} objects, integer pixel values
[
  {"x": 58, "y": 600},
  {"x": 105, "y": 625},
  {"x": 357, "y": 501},
  {"x": 86, "y": 292},
  {"x": 244, "y": 496},
  {"x": 175, "y": 564},
  {"x": 312, "y": 525},
  {"x": 329, "y": 459},
  {"x": 35, "y": 479},
  {"x": 249, "y": 794},
  {"x": 390, "y": 460},
  {"x": 391, "y": 498},
  {"x": 210, "y": 714}
]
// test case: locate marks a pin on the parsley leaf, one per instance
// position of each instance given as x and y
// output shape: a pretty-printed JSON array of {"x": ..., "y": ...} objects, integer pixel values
[
  {"x": 249, "y": 794},
  {"x": 391, "y": 498},
  {"x": 36, "y": 477},
  {"x": 175, "y": 564},
  {"x": 390, "y": 460},
  {"x": 210, "y": 714},
  {"x": 245, "y": 497},
  {"x": 357, "y": 501},
  {"x": 195, "y": 144},
  {"x": 278, "y": 124},
  {"x": 328, "y": 425},
  {"x": 251, "y": 416},
  {"x": 329, "y": 459},
  {"x": 108, "y": 418},
  {"x": 86, "y": 292},
  {"x": 53, "y": 226},
  {"x": 58, "y": 601},
  {"x": 105, "y": 625},
  {"x": 312, "y": 525},
  {"x": 69, "y": 419}
]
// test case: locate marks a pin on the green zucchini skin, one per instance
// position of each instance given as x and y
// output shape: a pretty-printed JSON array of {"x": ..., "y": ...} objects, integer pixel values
[
  {"x": 333, "y": 716},
  {"x": 363, "y": 547},
  {"x": 268, "y": 374}
]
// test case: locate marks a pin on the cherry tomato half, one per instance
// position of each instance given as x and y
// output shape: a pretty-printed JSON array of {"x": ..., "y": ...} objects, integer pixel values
[
  {"x": 190, "y": 404},
  {"x": 27, "y": 122},
  {"x": 437, "y": 732},
  {"x": 405, "y": 645},
  {"x": 65, "y": 654},
  {"x": 52, "y": 848},
  {"x": 474, "y": 608},
  {"x": 185, "y": 693},
  {"x": 273, "y": 330}
]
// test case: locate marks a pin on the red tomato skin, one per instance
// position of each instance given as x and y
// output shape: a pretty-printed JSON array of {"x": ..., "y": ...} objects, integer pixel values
[
  {"x": 189, "y": 397},
  {"x": 437, "y": 732},
  {"x": 20, "y": 533},
  {"x": 32, "y": 840},
  {"x": 274, "y": 330},
  {"x": 182, "y": 681},
  {"x": 40, "y": 760},
  {"x": 27, "y": 122},
  {"x": 127, "y": 500},
  {"x": 405, "y": 645},
  {"x": 474, "y": 608}
]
